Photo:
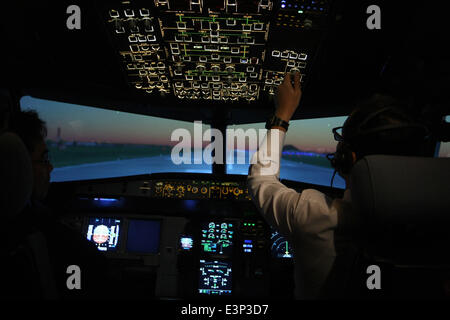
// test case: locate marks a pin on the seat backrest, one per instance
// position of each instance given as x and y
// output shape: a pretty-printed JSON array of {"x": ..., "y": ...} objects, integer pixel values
[
  {"x": 16, "y": 176},
  {"x": 25, "y": 262},
  {"x": 404, "y": 206}
]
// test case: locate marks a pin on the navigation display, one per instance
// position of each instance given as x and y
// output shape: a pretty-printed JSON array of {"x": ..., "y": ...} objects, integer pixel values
[
  {"x": 217, "y": 238},
  {"x": 104, "y": 233},
  {"x": 215, "y": 278},
  {"x": 281, "y": 248}
]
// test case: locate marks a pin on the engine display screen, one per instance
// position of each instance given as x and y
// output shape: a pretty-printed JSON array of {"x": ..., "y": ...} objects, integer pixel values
[
  {"x": 217, "y": 238},
  {"x": 104, "y": 233},
  {"x": 215, "y": 278}
]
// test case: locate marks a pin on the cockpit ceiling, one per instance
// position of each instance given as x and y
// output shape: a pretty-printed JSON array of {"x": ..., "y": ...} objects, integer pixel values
[{"x": 208, "y": 59}]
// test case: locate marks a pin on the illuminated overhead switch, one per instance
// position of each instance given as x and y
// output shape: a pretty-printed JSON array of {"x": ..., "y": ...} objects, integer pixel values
[
  {"x": 275, "y": 53},
  {"x": 243, "y": 79},
  {"x": 293, "y": 55},
  {"x": 204, "y": 25},
  {"x": 223, "y": 40},
  {"x": 234, "y": 50},
  {"x": 142, "y": 38},
  {"x": 253, "y": 75},
  {"x": 265, "y": 5},
  {"x": 178, "y": 85},
  {"x": 214, "y": 33},
  {"x": 132, "y": 23},
  {"x": 148, "y": 27},
  {"x": 214, "y": 26},
  {"x": 151, "y": 38},
  {"x": 203, "y": 59},
  {"x": 302, "y": 65},
  {"x": 144, "y": 12},
  {"x": 258, "y": 26},
  {"x": 114, "y": 13},
  {"x": 227, "y": 60},
  {"x": 118, "y": 26},
  {"x": 215, "y": 56},
  {"x": 178, "y": 38},
  {"x": 181, "y": 25},
  {"x": 229, "y": 69},
  {"x": 231, "y": 22},
  {"x": 214, "y": 39},
  {"x": 132, "y": 38},
  {"x": 128, "y": 13},
  {"x": 291, "y": 64},
  {"x": 247, "y": 27},
  {"x": 205, "y": 39},
  {"x": 195, "y": 4},
  {"x": 302, "y": 56},
  {"x": 285, "y": 55},
  {"x": 250, "y": 69},
  {"x": 231, "y": 5}
]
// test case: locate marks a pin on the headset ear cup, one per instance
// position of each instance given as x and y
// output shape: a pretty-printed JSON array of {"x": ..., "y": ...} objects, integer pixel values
[{"x": 343, "y": 160}]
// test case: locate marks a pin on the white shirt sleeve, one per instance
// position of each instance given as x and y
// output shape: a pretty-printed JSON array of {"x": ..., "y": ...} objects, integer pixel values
[{"x": 307, "y": 218}]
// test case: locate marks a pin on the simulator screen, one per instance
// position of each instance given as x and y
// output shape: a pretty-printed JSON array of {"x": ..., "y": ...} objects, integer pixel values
[
  {"x": 94, "y": 143},
  {"x": 304, "y": 153}
]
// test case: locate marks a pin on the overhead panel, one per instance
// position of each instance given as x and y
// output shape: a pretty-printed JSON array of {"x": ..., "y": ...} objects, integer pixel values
[{"x": 221, "y": 50}]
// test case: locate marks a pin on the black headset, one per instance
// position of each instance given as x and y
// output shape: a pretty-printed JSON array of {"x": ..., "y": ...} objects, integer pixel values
[{"x": 342, "y": 159}]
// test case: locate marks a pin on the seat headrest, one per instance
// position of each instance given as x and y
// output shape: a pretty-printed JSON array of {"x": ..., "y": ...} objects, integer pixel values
[
  {"x": 397, "y": 189},
  {"x": 16, "y": 175}
]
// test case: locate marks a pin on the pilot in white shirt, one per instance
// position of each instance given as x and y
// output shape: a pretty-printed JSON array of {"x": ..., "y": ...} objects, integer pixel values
[{"x": 308, "y": 218}]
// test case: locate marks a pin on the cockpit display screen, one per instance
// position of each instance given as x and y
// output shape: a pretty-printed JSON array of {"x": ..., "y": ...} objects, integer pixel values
[
  {"x": 217, "y": 237},
  {"x": 215, "y": 278},
  {"x": 104, "y": 233},
  {"x": 281, "y": 247}
]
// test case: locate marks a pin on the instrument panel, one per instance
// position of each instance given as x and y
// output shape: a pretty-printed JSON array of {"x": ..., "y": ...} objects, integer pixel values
[
  {"x": 198, "y": 189},
  {"x": 221, "y": 50}
]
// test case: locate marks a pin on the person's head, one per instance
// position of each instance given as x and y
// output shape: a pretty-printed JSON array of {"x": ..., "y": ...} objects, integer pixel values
[
  {"x": 32, "y": 131},
  {"x": 379, "y": 125}
]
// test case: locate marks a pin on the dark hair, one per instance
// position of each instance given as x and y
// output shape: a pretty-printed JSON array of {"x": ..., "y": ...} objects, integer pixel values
[
  {"x": 380, "y": 125},
  {"x": 29, "y": 127}
]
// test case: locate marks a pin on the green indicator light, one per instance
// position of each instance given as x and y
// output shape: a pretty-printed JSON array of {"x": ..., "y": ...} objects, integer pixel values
[{"x": 300, "y": 11}]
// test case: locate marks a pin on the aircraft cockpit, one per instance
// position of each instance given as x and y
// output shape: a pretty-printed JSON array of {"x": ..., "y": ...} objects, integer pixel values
[{"x": 154, "y": 110}]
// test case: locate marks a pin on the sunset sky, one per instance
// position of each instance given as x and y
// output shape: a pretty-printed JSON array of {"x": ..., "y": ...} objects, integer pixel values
[{"x": 87, "y": 124}]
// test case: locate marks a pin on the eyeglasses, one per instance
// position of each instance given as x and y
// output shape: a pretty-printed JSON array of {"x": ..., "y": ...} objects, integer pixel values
[{"x": 338, "y": 135}]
